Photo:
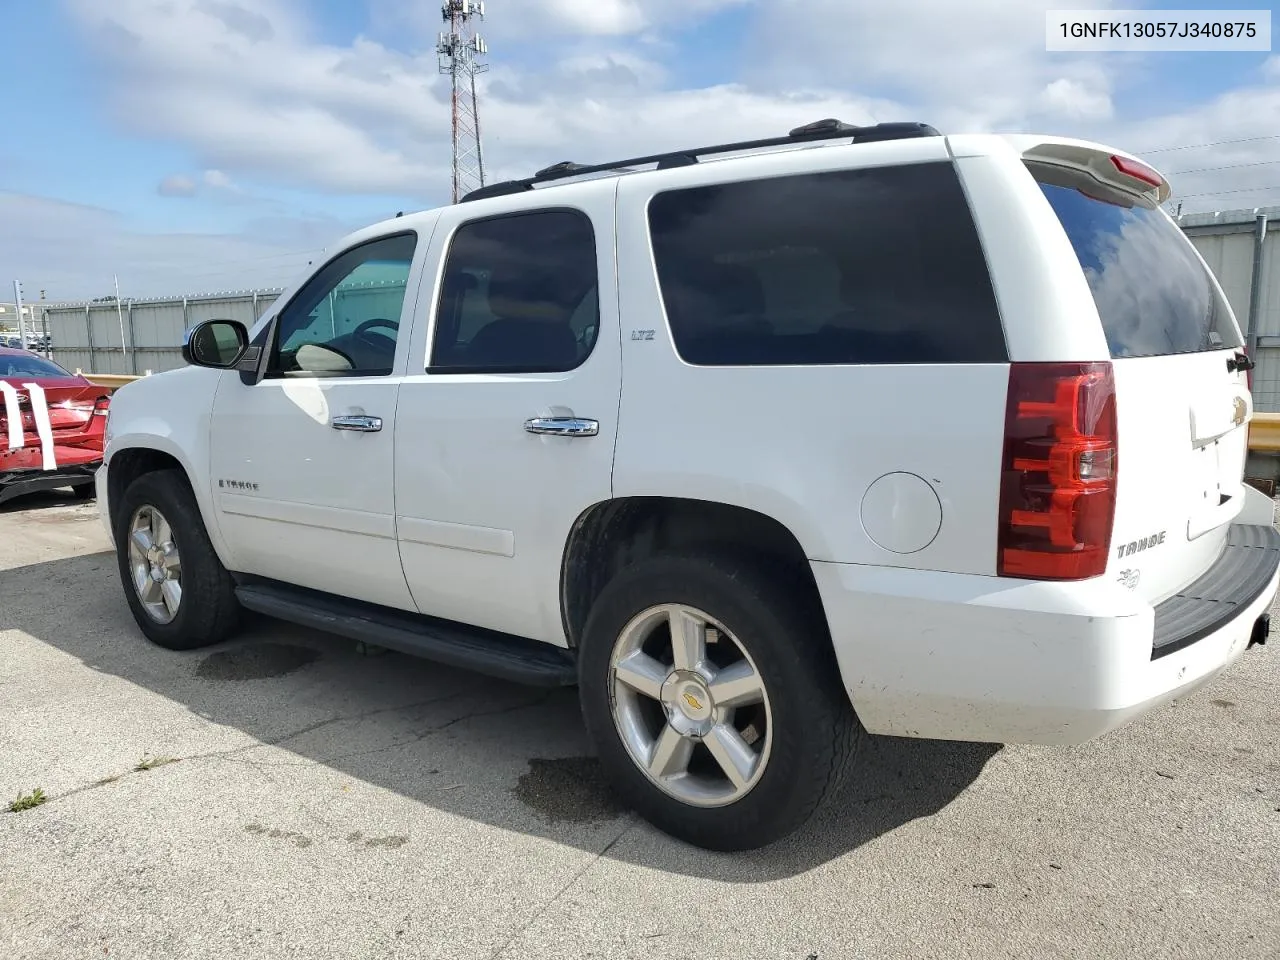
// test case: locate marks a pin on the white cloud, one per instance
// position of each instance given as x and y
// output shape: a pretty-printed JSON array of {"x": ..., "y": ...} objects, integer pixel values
[
  {"x": 1072, "y": 98},
  {"x": 72, "y": 251},
  {"x": 516, "y": 21},
  {"x": 978, "y": 65},
  {"x": 218, "y": 180},
  {"x": 177, "y": 185},
  {"x": 247, "y": 87}
]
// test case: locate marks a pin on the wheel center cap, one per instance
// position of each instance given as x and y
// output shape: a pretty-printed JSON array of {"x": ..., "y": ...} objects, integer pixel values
[{"x": 688, "y": 703}]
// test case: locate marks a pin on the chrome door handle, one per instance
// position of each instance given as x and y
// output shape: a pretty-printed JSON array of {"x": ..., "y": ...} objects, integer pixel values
[
  {"x": 360, "y": 424},
  {"x": 563, "y": 426}
]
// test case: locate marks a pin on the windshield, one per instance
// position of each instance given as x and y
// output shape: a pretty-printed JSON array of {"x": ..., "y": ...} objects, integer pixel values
[
  {"x": 29, "y": 365},
  {"x": 1154, "y": 296}
]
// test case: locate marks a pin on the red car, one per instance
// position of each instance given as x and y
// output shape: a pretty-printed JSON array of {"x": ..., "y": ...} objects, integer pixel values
[{"x": 54, "y": 438}]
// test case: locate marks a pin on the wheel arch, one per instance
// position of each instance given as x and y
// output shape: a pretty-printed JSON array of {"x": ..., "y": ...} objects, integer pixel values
[
  {"x": 132, "y": 457},
  {"x": 614, "y": 533}
]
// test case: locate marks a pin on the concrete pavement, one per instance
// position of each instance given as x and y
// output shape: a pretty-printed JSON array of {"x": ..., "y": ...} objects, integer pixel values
[{"x": 320, "y": 803}]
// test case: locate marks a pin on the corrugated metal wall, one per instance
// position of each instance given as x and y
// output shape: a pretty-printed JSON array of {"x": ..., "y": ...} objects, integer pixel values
[
  {"x": 1226, "y": 241},
  {"x": 87, "y": 336}
]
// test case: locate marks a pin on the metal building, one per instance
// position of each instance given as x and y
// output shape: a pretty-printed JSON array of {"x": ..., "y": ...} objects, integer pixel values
[
  {"x": 134, "y": 336},
  {"x": 1240, "y": 247}
]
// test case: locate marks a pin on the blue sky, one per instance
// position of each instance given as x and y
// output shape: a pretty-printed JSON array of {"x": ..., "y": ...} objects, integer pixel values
[{"x": 192, "y": 145}]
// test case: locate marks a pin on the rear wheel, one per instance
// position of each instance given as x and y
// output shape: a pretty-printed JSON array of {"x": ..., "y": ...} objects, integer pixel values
[
  {"x": 180, "y": 594},
  {"x": 713, "y": 698}
]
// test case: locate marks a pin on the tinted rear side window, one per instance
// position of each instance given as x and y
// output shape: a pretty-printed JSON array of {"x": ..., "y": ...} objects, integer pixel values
[
  {"x": 849, "y": 267},
  {"x": 519, "y": 295},
  {"x": 1154, "y": 296}
]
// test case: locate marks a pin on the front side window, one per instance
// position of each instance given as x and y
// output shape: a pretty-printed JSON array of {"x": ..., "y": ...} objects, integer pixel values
[
  {"x": 881, "y": 265},
  {"x": 346, "y": 320},
  {"x": 519, "y": 294}
]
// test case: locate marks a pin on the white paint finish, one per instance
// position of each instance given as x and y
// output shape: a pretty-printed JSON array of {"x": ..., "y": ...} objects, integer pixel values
[
  {"x": 901, "y": 513},
  {"x": 973, "y": 658},
  {"x": 482, "y": 509},
  {"x": 802, "y": 444},
  {"x": 169, "y": 413},
  {"x": 1167, "y": 482},
  {"x": 1258, "y": 508},
  {"x": 457, "y": 536},
  {"x": 331, "y": 490},
  {"x": 13, "y": 416},
  {"x": 359, "y": 522},
  {"x": 1045, "y": 301},
  {"x": 335, "y": 484},
  {"x": 466, "y": 469},
  {"x": 44, "y": 429}
]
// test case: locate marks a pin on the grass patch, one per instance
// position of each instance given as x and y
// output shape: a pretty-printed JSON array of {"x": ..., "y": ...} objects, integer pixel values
[
  {"x": 150, "y": 763},
  {"x": 26, "y": 801}
]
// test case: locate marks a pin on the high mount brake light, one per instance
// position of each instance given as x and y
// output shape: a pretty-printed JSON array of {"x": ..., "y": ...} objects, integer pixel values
[
  {"x": 1137, "y": 171},
  {"x": 1058, "y": 484}
]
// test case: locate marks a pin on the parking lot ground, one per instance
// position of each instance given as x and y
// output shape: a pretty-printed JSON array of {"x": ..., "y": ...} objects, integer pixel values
[{"x": 321, "y": 803}]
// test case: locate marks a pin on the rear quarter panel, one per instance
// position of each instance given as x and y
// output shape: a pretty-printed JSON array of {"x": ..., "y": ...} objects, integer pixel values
[{"x": 804, "y": 444}]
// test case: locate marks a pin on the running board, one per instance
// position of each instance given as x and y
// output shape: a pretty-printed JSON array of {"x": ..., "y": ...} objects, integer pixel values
[{"x": 471, "y": 648}]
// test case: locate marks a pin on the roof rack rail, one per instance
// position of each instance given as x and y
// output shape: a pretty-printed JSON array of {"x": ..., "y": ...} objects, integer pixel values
[{"x": 828, "y": 129}]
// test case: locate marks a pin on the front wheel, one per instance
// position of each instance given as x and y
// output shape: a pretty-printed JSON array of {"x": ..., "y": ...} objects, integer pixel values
[
  {"x": 180, "y": 594},
  {"x": 712, "y": 694}
]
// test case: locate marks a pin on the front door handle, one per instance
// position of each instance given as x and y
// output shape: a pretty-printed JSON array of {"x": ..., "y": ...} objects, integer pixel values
[
  {"x": 563, "y": 426},
  {"x": 361, "y": 424}
]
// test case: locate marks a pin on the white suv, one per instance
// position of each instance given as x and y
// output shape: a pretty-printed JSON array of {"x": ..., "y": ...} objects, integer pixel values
[{"x": 857, "y": 429}]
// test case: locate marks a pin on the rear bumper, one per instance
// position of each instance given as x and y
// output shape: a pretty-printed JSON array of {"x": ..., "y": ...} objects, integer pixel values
[
  {"x": 16, "y": 483},
  {"x": 958, "y": 657}
]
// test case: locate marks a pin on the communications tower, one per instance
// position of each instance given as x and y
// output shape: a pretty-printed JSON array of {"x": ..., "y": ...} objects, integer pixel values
[{"x": 461, "y": 51}]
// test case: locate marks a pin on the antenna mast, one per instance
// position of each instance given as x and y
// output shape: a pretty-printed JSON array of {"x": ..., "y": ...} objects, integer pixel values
[{"x": 461, "y": 50}]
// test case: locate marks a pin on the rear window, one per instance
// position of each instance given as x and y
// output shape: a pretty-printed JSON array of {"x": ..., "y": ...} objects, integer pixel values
[
  {"x": 29, "y": 365},
  {"x": 849, "y": 267},
  {"x": 1154, "y": 296}
]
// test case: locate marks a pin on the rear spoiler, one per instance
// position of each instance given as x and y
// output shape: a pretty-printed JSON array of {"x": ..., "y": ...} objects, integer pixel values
[{"x": 1118, "y": 170}]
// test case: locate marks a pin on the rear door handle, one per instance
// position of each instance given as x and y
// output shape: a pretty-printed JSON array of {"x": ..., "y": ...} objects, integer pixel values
[
  {"x": 563, "y": 426},
  {"x": 360, "y": 424}
]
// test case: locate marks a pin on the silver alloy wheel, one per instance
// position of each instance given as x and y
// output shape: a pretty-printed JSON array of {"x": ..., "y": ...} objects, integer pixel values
[
  {"x": 155, "y": 564},
  {"x": 693, "y": 714}
]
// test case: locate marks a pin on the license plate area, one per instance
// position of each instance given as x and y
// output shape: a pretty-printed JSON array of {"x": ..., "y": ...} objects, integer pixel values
[{"x": 1215, "y": 486}]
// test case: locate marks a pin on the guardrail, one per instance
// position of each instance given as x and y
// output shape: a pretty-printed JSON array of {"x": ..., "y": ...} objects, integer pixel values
[
  {"x": 112, "y": 381},
  {"x": 1264, "y": 433}
]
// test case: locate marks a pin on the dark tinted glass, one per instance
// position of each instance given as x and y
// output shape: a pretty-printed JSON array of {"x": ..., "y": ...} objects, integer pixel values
[
  {"x": 27, "y": 365},
  {"x": 518, "y": 295},
  {"x": 858, "y": 266},
  {"x": 1154, "y": 296}
]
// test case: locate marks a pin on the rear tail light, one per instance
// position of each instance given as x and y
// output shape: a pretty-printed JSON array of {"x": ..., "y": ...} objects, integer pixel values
[
  {"x": 1058, "y": 484},
  {"x": 102, "y": 407},
  {"x": 1137, "y": 171}
]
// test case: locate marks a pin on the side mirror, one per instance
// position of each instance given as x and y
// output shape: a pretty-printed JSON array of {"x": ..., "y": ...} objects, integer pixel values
[{"x": 218, "y": 344}]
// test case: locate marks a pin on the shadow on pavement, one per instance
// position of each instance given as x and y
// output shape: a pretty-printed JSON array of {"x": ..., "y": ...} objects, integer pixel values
[
  {"x": 494, "y": 752},
  {"x": 44, "y": 500}
]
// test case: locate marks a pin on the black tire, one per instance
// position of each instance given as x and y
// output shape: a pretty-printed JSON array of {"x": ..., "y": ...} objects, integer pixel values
[
  {"x": 209, "y": 611},
  {"x": 84, "y": 491},
  {"x": 815, "y": 730}
]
